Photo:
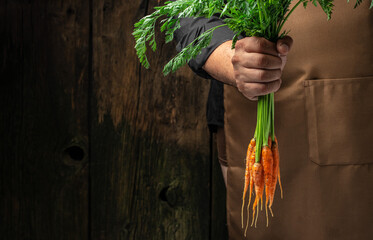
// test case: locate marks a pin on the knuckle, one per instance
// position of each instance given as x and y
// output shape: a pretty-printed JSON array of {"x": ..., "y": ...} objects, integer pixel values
[
  {"x": 254, "y": 39},
  {"x": 235, "y": 59},
  {"x": 250, "y": 43},
  {"x": 237, "y": 73},
  {"x": 261, "y": 44},
  {"x": 239, "y": 44},
  {"x": 237, "y": 77},
  {"x": 240, "y": 85}
]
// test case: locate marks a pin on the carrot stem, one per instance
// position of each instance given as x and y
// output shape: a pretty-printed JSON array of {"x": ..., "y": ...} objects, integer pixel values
[
  {"x": 259, "y": 130},
  {"x": 273, "y": 116}
]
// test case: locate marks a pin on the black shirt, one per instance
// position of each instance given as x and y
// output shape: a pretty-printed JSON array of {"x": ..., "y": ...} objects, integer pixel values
[{"x": 190, "y": 29}]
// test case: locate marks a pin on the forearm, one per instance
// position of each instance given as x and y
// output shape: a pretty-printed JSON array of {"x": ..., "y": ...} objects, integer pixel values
[
  {"x": 191, "y": 28},
  {"x": 219, "y": 64}
]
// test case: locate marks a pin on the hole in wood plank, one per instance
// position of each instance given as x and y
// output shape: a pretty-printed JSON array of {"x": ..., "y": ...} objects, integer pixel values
[
  {"x": 70, "y": 11},
  {"x": 171, "y": 194},
  {"x": 75, "y": 152},
  {"x": 162, "y": 194}
]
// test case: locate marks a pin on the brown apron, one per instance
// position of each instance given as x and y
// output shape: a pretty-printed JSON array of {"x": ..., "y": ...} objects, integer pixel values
[{"x": 323, "y": 115}]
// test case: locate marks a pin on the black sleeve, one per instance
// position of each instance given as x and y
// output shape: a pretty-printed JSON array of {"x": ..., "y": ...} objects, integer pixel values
[{"x": 191, "y": 28}]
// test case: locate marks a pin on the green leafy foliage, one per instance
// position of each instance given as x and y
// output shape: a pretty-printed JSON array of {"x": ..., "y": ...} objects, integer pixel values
[
  {"x": 262, "y": 18},
  {"x": 326, "y": 5},
  {"x": 190, "y": 51}
]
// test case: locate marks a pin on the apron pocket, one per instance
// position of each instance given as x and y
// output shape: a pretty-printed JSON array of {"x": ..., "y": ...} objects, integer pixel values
[{"x": 340, "y": 120}]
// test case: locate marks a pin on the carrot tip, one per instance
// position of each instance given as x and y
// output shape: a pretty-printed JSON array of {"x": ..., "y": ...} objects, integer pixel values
[
  {"x": 254, "y": 206},
  {"x": 257, "y": 214},
  {"x": 266, "y": 214},
  {"x": 261, "y": 202},
  {"x": 248, "y": 218},
  {"x": 282, "y": 194},
  {"x": 243, "y": 204},
  {"x": 270, "y": 209}
]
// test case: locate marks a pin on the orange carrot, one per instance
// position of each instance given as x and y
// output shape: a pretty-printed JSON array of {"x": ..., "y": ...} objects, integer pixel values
[
  {"x": 247, "y": 175},
  {"x": 251, "y": 163},
  {"x": 259, "y": 187},
  {"x": 276, "y": 172},
  {"x": 267, "y": 161},
  {"x": 269, "y": 142}
]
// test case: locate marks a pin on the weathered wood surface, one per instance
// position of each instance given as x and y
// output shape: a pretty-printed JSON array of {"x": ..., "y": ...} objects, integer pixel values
[
  {"x": 93, "y": 146},
  {"x": 154, "y": 165},
  {"x": 218, "y": 196},
  {"x": 43, "y": 120}
]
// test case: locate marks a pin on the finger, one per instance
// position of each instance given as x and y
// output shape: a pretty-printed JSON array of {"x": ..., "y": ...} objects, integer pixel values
[
  {"x": 265, "y": 88},
  {"x": 253, "y": 90},
  {"x": 284, "y": 45},
  {"x": 284, "y": 60},
  {"x": 253, "y": 98},
  {"x": 252, "y": 75},
  {"x": 258, "y": 60},
  {"x": 257, "y": 45}
]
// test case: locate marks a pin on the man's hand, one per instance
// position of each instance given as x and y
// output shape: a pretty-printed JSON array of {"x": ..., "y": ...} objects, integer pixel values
[{"x": 258, "y": 64}]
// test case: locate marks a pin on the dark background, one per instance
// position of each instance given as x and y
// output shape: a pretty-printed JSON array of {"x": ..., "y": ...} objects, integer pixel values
[{"x": 92, "y": 145}]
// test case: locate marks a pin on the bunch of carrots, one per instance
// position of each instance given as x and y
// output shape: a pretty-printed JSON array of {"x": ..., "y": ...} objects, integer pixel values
[{"x": 262, "y": 162}]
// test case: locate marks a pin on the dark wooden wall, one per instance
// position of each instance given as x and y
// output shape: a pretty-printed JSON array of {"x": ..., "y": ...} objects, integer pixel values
[{"x": 93, "y": 146}]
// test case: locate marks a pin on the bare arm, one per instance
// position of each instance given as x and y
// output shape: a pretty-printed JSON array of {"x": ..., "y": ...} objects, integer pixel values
[{"x": 219, "y": 64}]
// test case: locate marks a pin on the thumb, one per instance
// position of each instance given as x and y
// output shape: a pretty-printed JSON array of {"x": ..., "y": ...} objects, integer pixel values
[{"x": 284, "y": 45}]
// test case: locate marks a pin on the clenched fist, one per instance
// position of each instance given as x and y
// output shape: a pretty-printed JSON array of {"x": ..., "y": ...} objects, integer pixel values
[
  {"x": 258, "y": 65},
  {"x": 254, "y": 66}
]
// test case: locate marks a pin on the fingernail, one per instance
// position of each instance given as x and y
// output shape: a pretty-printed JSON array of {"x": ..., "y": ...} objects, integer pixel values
[{"x": 286, "y": 47}]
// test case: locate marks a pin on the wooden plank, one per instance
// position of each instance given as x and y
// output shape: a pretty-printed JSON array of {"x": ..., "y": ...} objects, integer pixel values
[
  {"x": 219, "y": 229},
  {"x": 43, "y": 120},
  {"x": 150, "y": 144}
]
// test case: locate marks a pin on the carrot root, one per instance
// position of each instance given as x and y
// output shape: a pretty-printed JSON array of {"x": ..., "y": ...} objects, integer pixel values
[
  {"x": 264, "y": 173},
  {"x": 270, "y": 209},
  {"x": 248, "y": 176},
  {"x": 261, "y": 204},
  {"x": 279, "y": 182},
  {"x": 266, "y": 212},
  {"x": 257, "y": 214},
  {"x": 243, "y": 205},
  {"x": 254, "y": 206}
]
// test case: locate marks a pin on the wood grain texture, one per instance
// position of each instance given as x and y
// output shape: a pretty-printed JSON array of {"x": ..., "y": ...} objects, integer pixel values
[
  {"x": 150, "y": 159},
  {"x": 94, "y": 146},
  {"x": 43, "y": 121},
  {"x": 219, "y": 229}
]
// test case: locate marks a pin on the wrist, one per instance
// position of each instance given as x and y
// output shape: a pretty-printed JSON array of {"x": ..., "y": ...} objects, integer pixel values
[{"x": 219, "y": 64}]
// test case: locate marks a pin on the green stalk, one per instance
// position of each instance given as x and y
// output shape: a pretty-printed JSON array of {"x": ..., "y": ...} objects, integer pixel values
[
  {"x": 266, "y": 125},
  {"x": 260, "y": 13},
  {"x": 259, "y": 130},
  {"x": 269, "y": 117},
  {"x": 273, "y": 116}
]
